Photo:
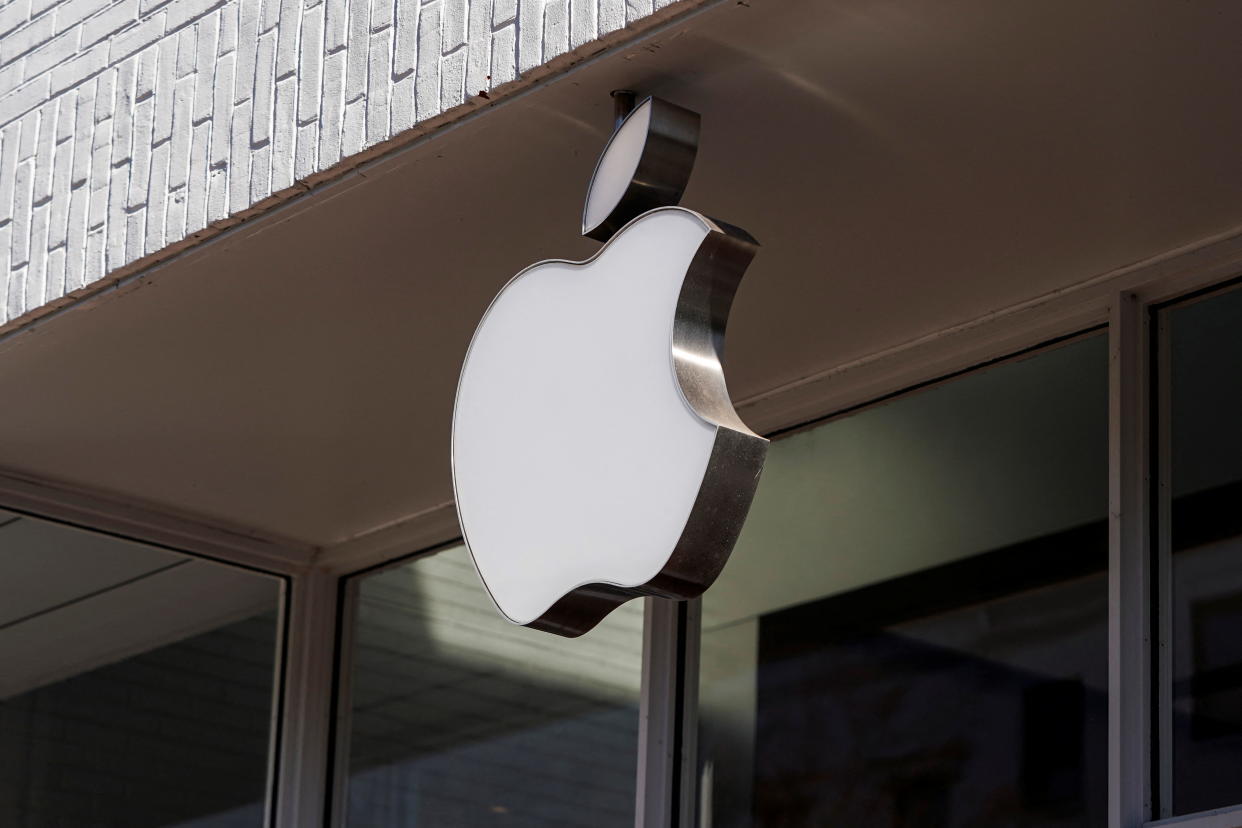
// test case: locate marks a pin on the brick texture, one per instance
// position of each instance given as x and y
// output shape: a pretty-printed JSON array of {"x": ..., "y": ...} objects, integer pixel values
[{"x": 129, "y": 125}]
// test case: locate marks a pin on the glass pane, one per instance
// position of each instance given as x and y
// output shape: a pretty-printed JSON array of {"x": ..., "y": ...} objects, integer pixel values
[
  {"x": 913, "y": 629},
  {"x": 1203, "y": 510},
  {"x": 136, "y": 687},
  {"x": 461, "y": 718}
]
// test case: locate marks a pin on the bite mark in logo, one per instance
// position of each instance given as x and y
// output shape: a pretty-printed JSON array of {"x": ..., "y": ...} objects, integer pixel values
[{"x": 597, "y": 456}]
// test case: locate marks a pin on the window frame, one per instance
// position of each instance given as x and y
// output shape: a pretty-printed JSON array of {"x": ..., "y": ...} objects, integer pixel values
[
  {"x": 669, "y": 661},
  {"x": 1128, "y": 309},
  {"x": 1157, "y": 374},
  {"x": 48, "y": 502}
]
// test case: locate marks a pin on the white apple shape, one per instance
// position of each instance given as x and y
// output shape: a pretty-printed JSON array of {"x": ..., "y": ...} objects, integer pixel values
[{"x": 596, "y": 453}]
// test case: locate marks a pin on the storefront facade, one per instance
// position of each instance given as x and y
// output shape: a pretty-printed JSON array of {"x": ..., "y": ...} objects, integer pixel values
[{"x": 990, "y": 576}]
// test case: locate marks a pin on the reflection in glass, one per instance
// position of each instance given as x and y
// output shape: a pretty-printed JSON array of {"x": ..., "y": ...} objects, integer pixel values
[
  {"x": 461, "y": 718},
  {"x": 913, "y": 630},
  {"x": 137, "y": 684},
  {"x": 1201, "y": 501}
]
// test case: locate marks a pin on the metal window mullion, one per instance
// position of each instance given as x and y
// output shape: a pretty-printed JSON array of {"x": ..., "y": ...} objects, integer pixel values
[
  {"x": 1219, "y": 818},
  {"x": 302, "y": 770},
  {"x": 688, "y": 765},
  {"x": 1162, "y": 678},
  {"x": 665, "y": 795},
  {"x": 342, "y": 731},
  {"x": 1129, "y": 571},
  {"x": 141, "y": 523}
]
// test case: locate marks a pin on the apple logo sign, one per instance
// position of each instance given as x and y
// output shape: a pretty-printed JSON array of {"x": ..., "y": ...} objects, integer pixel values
[{"x": 596, "y": 453}]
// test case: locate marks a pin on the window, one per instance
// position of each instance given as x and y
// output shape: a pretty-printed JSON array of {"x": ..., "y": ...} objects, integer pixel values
[
  {"x": 1199, "y": 554},
  {"x": 913, "y": 628},
  {"x": 137, "y": 683},
  {"x": 457, "y": 717}
]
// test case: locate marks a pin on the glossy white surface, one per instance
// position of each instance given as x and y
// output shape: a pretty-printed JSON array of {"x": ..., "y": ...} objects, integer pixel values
[
  {"x": 617, "y": 166},
  {"x": 576, "y": 459}
]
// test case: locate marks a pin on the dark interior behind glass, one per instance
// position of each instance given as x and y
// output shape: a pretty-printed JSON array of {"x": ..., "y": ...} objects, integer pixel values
[
  {"x": 913, "y": 632},
  {"x": 970, "y": 694},
  {"x": 1201, "y": 501}
]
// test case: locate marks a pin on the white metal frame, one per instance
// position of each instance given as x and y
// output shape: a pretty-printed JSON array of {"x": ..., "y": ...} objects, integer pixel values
[
  {"x": 1161, "y": 563},
  {"x": 665, "y": 795},
  {"x": 1154, "y": 324},
  {"x": 318, "y": 618},
  {"x": 1219, "y": 818},
  {"x": 1129, "y": 568},
  {"x": 297, "y": 758},
  {"x": 334, "y": 797},
  {"x": 306, "y": 720}
]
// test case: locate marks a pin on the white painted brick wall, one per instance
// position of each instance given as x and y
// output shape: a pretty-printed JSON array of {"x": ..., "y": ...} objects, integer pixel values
[{"x": 129, "y": 125}]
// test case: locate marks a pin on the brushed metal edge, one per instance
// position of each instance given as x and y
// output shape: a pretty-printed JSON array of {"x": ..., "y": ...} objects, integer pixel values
[{"x": 663, "y": 170}]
